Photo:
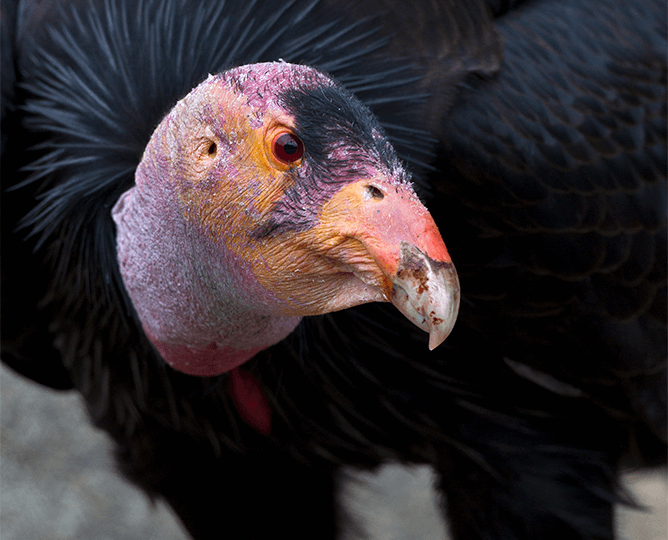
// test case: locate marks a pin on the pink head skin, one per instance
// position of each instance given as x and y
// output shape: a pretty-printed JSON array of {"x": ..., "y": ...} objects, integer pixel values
[{"x": 211, "y": 289}]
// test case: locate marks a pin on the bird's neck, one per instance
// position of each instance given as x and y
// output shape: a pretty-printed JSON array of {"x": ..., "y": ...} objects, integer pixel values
[{"x": 198, "y": 302}]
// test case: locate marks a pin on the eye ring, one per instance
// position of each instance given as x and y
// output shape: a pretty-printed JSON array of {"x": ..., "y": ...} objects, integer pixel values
[{"x": 287, "y": 147}]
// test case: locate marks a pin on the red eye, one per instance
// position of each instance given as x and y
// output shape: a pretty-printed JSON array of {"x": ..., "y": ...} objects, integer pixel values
[{"x": 288, "y": 147}]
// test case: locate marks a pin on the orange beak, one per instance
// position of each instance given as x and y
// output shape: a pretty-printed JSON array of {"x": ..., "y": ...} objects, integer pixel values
[{"x": 390, "y": 242}]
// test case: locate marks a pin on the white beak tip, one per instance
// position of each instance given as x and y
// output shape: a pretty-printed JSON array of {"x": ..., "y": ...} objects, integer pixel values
[{"x": 427, "y": 293}]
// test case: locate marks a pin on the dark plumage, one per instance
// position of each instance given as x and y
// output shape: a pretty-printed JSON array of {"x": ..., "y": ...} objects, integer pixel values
[{"x": 538, "y": 131}]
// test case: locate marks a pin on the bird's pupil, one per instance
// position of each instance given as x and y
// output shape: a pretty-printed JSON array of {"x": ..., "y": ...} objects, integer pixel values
[{"x": 290, "y": 147}]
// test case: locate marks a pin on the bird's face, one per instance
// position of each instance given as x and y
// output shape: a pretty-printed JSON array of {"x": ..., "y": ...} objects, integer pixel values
[{"x": 291, "y": 179}]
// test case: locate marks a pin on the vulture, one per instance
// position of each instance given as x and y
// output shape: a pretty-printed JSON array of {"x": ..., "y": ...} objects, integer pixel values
[{"x": 225, "y": 223}]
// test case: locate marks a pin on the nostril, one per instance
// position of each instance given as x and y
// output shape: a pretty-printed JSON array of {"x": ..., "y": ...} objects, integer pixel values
[{"x": 374, "y": 192}]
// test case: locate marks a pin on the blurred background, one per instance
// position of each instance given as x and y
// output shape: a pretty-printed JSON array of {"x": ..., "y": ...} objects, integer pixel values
[{"x": 57, "y": 481}]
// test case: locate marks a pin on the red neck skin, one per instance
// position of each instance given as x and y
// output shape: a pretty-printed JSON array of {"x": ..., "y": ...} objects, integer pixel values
[{"x": 191, "y": 307}]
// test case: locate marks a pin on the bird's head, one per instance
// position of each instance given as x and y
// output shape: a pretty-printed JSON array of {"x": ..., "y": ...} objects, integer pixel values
[{"x": 267, "y": 194}]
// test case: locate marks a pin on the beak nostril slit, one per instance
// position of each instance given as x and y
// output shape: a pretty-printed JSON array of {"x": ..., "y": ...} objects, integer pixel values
[{"x": 374, "y": 192}]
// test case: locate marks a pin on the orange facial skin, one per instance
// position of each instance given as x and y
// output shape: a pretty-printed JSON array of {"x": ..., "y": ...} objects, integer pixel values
[{"x": 352, "y": 255}]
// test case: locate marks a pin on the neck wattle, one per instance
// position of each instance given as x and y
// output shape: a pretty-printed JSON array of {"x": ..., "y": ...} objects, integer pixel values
[
  {"x": 198, "y": 302},
  {"x": 207, "y": 362}
]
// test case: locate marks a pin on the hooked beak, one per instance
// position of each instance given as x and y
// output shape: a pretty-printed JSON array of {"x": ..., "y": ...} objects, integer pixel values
[
  {"x": 426, "y": 291},
  {"x": 410, "y": 266}
]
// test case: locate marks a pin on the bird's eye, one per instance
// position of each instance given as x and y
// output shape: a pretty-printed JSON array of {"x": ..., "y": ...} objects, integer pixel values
[{"x": 288, "y": 148}]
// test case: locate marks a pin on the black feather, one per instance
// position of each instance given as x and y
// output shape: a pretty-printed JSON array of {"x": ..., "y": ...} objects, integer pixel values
[{"x": 540, "y": 139}]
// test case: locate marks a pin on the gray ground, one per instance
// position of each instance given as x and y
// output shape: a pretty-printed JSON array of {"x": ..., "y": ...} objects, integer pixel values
[{"x": 57, "y": 482}]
